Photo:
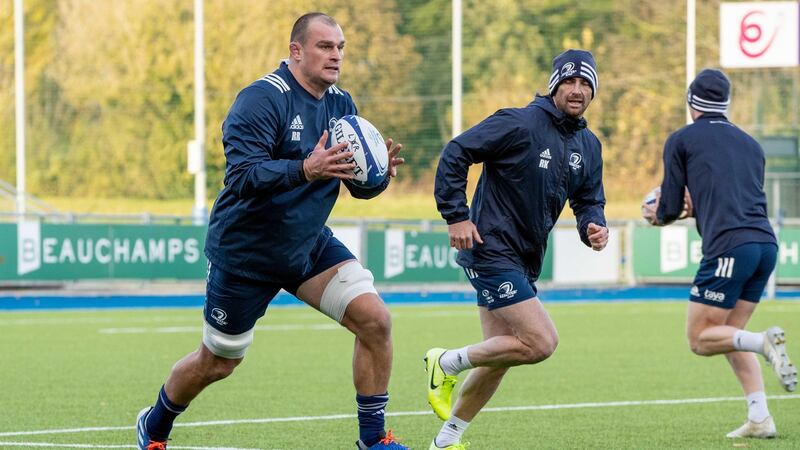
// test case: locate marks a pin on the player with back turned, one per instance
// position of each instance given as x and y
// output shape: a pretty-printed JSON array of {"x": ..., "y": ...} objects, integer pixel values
[
  {"x": 267, "y": 232},
  {"x": 722, "y": 167}
]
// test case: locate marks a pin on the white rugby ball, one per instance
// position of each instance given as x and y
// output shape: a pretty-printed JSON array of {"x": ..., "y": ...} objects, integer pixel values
[
  {"x": 368, "y": 147},
  {"x": 650, "y": 204}
]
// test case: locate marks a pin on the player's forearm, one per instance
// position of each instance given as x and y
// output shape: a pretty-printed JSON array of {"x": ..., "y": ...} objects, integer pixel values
[{"x": 267, "y": 176}]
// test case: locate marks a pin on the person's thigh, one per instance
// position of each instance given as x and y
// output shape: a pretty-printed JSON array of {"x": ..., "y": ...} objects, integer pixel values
[
  {"x": 741, "y": 313},
  {"x": 340, "y": 287},
  {"x": 492, "y": 325},
  {"x": 233, "y": 303},
  {"x": 700, "y": 316},
  {"x": 529, "y": 321}
]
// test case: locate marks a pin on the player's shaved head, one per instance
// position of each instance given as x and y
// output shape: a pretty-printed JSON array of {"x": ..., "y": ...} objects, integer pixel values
[{"x": 300, "y": 28}]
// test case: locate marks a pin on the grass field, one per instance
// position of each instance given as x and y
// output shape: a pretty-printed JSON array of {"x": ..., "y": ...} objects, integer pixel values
[{"x": 622, "y": 377}]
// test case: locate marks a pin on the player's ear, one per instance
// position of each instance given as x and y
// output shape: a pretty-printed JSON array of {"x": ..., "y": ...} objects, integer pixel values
[{"x": 295, "y": 50}]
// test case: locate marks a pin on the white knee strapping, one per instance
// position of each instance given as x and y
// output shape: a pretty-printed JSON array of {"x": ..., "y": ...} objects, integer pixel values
[
  {"x": 229, "y": 346},
  {"x": 350, "y": 281}
]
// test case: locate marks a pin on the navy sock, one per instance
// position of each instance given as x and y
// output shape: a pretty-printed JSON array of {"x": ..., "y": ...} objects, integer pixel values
[
  {"x": 159, "y": 421},
  {"x": 370, "y": 417}
]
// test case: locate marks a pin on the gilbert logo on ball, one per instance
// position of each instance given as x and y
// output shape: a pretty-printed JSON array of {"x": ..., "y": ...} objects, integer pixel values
[{"x": 368, "y": 147}]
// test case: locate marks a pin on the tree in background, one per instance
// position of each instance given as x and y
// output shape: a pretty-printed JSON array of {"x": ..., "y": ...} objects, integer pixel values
[{"x": 109, "y": 85}]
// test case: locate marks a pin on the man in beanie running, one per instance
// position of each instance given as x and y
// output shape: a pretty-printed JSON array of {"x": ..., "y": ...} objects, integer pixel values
[
  {"x": 723, "y": 168},
  {"x": 534, "y": 159}
]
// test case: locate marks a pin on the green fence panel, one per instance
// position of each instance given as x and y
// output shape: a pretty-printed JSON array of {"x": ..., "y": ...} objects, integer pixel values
[
  {"x": 400, "y": 256},
  {"x": 673, "y": 253},
  {"x": 35, "y": 251}
]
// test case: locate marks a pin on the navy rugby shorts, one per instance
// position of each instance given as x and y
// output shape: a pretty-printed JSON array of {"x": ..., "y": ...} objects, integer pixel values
[
  {"x": 234, "y": 303},
  {"x": 739, "y": 273},
  {"x": 501, "y": 288}
]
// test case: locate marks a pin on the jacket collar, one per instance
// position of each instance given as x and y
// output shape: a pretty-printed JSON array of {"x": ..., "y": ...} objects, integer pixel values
[
  {"x": 565, "y": 124},
  {"x": 713, "y": 115}
]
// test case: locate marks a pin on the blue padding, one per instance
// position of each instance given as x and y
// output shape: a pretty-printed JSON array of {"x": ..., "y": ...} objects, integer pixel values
[{"x": 55, "y": 302}]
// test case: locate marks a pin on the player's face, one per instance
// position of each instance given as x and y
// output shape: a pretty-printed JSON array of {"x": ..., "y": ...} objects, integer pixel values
[
  {"x": 322, "y": 53},
  {"x": 573, "y": 96}
]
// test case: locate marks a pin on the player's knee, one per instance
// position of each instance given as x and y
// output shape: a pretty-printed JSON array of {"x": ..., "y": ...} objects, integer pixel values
[
  {"x": 350, "y": 281},
  {"x": 697, "y": 347},
  {"x": 221, "y": 368},
  {"x": 541, "y": 347},
  {"x": 377, "y": 326}
]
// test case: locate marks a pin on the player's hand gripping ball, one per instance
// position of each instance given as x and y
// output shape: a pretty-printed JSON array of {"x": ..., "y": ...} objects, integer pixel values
[
  {"x": 650, "y": 206},
  {"x": 368, "y": 147}
]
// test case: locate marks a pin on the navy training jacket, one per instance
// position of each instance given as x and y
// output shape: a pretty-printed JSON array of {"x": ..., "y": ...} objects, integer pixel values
[
  {"x": 534, "y": 159},
  {"x": 723, "y": 167},
  {"x": 268, "y": 219}
]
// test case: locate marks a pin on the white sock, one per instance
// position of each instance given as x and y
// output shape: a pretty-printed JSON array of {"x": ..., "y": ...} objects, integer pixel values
[
  {"x": 748, "y": 341},
  {"x": 455, "y": 361},
  {"x": 757, "y": 407},
  {"x": 451, "y": 432}
]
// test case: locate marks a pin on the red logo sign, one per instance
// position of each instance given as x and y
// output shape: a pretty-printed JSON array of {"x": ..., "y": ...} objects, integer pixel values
[{"x": 751, "y": 34}]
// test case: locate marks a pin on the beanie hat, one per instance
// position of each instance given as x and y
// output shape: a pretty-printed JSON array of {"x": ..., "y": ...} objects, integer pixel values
[
  {"x": 710, "y": 92},
  {"x": 570, "y": 64}
]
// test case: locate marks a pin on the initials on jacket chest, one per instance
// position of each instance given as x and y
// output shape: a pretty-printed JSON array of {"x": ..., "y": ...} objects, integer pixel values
[{"x": 554, "y": 166}]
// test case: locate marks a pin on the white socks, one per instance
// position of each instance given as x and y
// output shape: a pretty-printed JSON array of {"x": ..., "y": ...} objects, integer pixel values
[
  {"x": 748, "y": 341},
  {"x": 451, "y": 432},
  {"x": 757, "y": 407},
  {"x": 455, "y": 361}
]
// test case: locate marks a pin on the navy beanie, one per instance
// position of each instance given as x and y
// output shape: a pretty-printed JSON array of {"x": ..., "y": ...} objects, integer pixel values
[
  {"x": 571, "y": 64},
  {"x": 710, "y": 92}
]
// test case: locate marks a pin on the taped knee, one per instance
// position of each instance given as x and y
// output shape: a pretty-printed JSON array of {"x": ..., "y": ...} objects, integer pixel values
[
  {"x": 350, "y": 281},
  {"x": 229, "y": 346}
]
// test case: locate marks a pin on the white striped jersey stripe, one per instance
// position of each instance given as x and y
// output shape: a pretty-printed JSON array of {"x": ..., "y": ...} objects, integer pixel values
[
  {"x": 724, "y": 267},
  {"x": 277, "y": 81}
]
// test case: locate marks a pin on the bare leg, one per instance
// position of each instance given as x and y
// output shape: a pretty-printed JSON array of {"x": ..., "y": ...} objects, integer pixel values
[
  {"x": 195, "y": 372},
  {"x": 745, "y": 364},
  {"x": 518, "y": 334},
  {"x": 530, "y": 336},
  {"x": 368, "y": 319},
  {"x": 710, "y": 331}
]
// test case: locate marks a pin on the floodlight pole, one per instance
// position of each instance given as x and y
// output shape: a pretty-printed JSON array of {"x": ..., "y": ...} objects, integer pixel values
[
  {"x": 19, "y": 87},
  {"x": 690, "y": 50},
  {"x": 456, "y": 64},
  {"x": 200, "y": 210}
]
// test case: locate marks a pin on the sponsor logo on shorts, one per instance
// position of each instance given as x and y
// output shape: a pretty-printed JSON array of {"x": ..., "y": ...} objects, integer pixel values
[
  {"x": 694, "y": 291},
  {"x": 506, "y": 290},
  {"x": 219, "y": 316},
  {"x": 487, "y": 295},
  {"x": 714, "y": 296}
]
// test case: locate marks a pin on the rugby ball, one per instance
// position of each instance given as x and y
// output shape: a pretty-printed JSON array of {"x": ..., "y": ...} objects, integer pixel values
[
  {"x": 368, "y": 147},
  {"x": 650, "y": 205}
]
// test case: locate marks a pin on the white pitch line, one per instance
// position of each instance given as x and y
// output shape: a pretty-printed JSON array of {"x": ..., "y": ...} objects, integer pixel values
[
  {"x": 681, "y": 401},
  {"x": 288, "y": 327},
  {"x": 50, "y": 444}
]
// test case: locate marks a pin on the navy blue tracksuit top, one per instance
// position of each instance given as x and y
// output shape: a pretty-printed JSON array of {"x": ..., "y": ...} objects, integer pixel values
[
  {"x": 268, "y": 218},
  {"x": 723, "y": 167},
  {"x": 534, "y": 159}
]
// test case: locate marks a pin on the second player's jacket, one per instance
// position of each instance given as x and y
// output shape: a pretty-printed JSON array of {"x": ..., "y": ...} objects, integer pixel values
[
  {"x": 268, "y": 218},
  {"x": 534, "y": 159},
  {"x": 723, "y": 167}
]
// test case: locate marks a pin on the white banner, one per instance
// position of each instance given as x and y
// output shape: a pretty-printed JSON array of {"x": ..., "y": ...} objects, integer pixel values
[
  {"x": 575, "y": 263},
  {"x": 759, "y": 34}
]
